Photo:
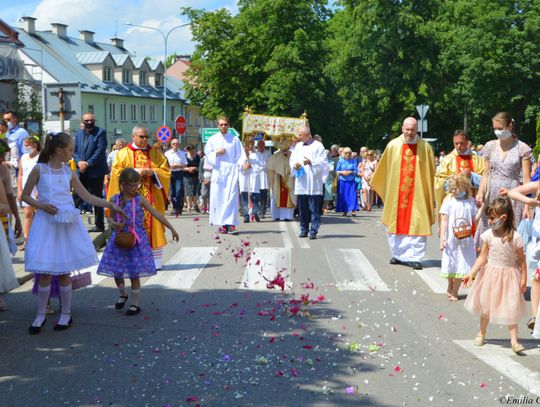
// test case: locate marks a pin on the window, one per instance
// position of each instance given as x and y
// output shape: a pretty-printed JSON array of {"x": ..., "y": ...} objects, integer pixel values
[
  {"x": 133, "y": 113},
  {"x": 188, "y": 118},
  {"x": 159, "y": 80},
  {"x": 107, "y": 74},
  {"x": 152, "y": 113},
  {"x": 112, "y": 112},
  {"x": 143, "y": 113},
  {"x": 126, "y": 76},
  {"x": 123, "y": 112},
  {"x": 172, "y": 113},
  {"x": 142, "y": 78},
  {"x": 91, "y": 108}
]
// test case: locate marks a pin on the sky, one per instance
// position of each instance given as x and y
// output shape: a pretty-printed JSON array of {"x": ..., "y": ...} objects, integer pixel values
[{"x": 107, "y": 17}]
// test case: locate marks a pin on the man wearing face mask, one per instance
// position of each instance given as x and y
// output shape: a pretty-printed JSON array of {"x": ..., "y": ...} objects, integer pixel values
[
  {"x": 461, "y": 160},
  {"x": 404, "y": 179},
  {"x": 15, "y": 136},
  {"x": 91, "y": 158}
]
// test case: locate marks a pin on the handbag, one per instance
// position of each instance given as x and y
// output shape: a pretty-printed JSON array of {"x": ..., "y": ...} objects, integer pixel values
[
  {"x": 80, "y": 280},
  {"x": 127, "y": 240},
  {"x": 334, "y": 183},
  {"x": 461, "y": 228}
]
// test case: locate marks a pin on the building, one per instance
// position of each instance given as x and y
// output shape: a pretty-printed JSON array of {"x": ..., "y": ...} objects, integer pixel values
[
  {"x": 121, "y": 89},
  {"x": 11, "y": 67},
  {"x": 195, "y": 121}
]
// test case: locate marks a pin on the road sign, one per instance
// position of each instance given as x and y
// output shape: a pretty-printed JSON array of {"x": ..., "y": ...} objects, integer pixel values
[
  {"x": 422, "y": 110},
  {"x": 208, "y": 132},
  {"x": 163, "y": 133},
  {"x": 422, "y": 126},
  {"x": 181, "y": 125}
]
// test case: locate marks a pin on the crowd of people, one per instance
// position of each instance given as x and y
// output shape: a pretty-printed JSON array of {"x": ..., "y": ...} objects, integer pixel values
[{"x": 478, "y": 199}]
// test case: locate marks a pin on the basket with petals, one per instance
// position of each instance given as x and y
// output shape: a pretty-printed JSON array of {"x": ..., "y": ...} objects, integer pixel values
[{"x": 461, "y": 228}]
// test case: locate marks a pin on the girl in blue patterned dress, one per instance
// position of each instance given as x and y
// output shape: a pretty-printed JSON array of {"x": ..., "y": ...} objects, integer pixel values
[{"x": 138, "y": 261}]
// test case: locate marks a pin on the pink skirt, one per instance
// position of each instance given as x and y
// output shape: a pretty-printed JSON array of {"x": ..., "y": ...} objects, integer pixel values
[{"x": 496, "y": 294}]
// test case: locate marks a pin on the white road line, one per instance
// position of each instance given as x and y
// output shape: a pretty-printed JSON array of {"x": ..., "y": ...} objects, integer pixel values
[
  {"x": 287, "y": 241},
  {"x": 96, "y": 278},
  {"x": 182, "y": 270},
  {"x": 504, "y": 361},
  {"x": 432, "y": 277},
  {"x": 353, "y": 271},
  {"x": 295, "y": 229},
  {"x": 264, "y": 266}
]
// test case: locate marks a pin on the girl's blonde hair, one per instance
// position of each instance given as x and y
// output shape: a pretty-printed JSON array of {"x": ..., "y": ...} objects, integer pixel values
[
  {"x": 503, "y": 206},
  {"x": 461, "y": 183}
]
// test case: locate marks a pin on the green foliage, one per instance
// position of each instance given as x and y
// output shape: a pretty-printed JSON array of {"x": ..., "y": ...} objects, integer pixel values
[
  {"x": 536, "y": 150},
  {"x": 360, "y": 69},
  {"x": 28, "y": 103}
]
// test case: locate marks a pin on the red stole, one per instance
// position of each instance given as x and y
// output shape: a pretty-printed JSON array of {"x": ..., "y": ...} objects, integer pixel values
[
  {"x": 464, "y": 162},
  {"x": 406, "y": 188}
]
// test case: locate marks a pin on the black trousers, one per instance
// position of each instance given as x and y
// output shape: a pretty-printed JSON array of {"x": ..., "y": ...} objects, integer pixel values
[{"x": 95, "y": 187}]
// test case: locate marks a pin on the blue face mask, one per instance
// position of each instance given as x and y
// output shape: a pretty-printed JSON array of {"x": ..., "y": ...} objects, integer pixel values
[
  {"x": 461, "y": 195},
  {"x": 26, "y": 150}
]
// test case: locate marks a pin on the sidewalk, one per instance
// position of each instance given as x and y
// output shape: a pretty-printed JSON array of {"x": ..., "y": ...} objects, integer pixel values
[{"x": 18, "y": 260}]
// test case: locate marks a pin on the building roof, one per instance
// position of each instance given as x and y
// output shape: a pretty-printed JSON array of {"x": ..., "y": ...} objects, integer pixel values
[{"x": 64, "y": 59}]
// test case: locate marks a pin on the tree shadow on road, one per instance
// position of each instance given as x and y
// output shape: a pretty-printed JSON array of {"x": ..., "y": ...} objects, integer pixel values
[{"x": 210, "y": 347}]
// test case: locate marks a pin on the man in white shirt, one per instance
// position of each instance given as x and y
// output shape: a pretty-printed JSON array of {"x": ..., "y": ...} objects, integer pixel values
[
  {"x": 225, "y": 153},
  {"x": 177, "y": 161},
  {"x": 261, "y": 157},
  {"x": 308, "y": 163}
]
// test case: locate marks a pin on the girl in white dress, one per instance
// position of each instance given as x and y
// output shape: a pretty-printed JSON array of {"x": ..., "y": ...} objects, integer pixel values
[
  {"x": 58, "y": 242},
  {"x": 457, "y": 211},
  {"x": 8, "y": 281},
  {"x": 27, "y": 163}
]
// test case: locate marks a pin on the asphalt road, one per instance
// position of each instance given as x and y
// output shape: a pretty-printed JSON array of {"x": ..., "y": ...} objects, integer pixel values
[{"x": 348, "y": 330}]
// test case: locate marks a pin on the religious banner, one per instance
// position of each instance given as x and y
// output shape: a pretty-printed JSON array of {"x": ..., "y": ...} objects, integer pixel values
[{"x": 272, "y": 125}]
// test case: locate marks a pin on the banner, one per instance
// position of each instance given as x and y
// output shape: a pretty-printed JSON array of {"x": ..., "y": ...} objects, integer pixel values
[
  {"x": 272, "y": 125},
  {"x": 11, "y": 66}
]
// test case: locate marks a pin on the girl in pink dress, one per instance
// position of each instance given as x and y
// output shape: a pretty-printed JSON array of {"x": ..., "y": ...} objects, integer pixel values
[{"x": 497, "y": 294}]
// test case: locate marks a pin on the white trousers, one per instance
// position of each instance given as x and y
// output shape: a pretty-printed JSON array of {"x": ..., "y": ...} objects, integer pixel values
[
  {"x": 158, "y": 257},
  {"x": 407, "y": 248}
]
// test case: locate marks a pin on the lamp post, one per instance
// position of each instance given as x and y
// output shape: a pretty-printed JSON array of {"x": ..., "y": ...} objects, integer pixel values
[{"x": 165, "y": 38}]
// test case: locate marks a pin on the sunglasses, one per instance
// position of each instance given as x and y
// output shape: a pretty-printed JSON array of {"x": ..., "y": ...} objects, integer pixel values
[{"x": 146, "y": 137}]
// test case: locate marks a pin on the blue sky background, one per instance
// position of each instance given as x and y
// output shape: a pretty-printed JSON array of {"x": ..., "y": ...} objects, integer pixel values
[{"x": 107, "y": 17}]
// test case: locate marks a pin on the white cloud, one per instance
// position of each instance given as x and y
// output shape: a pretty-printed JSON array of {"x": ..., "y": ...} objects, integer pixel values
[{"x": 107, "y": 17}]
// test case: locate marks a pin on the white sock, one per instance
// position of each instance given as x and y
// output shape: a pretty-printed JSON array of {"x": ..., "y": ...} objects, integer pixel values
[
  {"x": 135, "y": 296},
  {"x": 66, "y": 292},
  {"x": 43, "y": 298}
]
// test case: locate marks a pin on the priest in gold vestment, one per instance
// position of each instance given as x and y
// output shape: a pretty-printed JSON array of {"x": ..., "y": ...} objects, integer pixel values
[
  {"x": 404, "y": 179},
  {"x": 281, "y": 181},
  {"x": 461, "y": 160},
  {"x": 155, "y": 182}
]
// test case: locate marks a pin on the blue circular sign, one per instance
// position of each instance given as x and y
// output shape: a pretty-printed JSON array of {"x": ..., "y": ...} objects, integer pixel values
[{"x": 164, "y": 133}]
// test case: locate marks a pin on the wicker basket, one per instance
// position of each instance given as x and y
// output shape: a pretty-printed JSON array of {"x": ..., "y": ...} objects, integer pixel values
[{"x": 461, "y": 228}]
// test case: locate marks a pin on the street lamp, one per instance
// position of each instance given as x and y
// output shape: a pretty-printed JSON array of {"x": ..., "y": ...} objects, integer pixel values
[{"x": 165, "y": 38}]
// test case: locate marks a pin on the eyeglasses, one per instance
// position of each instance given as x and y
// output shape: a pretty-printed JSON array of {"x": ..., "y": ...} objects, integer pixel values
[
  {"x": 146, "y": 137},
  {"x": 223, "y": 124}
]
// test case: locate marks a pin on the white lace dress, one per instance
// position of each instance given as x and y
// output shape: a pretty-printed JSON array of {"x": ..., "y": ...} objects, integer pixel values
[{"x": 57, "y": 248}]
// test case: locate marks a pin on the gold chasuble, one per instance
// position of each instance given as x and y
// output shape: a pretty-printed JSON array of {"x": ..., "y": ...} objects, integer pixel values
[
  {"x": 454, "y": 164},
  {"x": 280, "y": 180},
  {"x": 404, "y": 180},
  {"x": 154, "y": 188}
]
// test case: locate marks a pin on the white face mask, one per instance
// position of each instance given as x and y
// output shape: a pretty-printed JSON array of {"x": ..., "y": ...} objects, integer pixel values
[
  {"x": 503, "y": 134},
  {"x": 10, "y": 125}
]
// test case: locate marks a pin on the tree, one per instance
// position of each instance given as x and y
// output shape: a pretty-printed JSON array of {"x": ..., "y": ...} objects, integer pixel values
[{"x": 270, "y": 56}]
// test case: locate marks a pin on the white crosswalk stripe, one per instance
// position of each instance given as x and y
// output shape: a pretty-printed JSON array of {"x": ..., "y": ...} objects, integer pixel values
[
  {"x": 181, "y": 271},
  {"x": 353, "y": 271},
  {"x": 265, "y": 265},
  {"x": 502, "y": 359}
]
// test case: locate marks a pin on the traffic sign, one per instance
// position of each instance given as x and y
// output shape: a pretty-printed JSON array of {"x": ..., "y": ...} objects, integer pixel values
[
  {"x": 422, "y": 126},
  {"x": 422, "y": 110},
  {"x": 180, "y": 124},
  {"x": 164, "y": 133},
  {"x": 208, "y": 132}
]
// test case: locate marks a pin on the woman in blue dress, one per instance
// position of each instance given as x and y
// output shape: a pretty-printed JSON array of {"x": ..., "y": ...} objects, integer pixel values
[{"x": 347, "y": 170}]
